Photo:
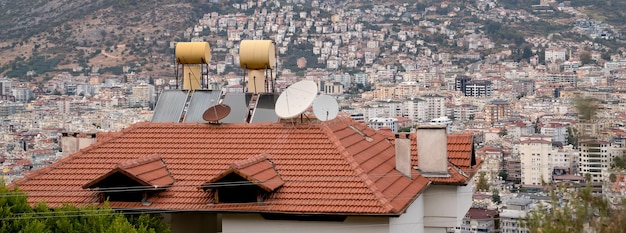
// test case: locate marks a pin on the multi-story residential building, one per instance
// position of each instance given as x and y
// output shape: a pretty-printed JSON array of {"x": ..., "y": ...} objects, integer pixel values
[
  {"x": 478, "y": 88},
  {"x": 460, "y": 83},
  {"x": 562, "y": 78},
  {"x": 464, "y": 112},
  {"x": 407, "y": 89},
  {"x": 22, "y": 94},
  {"x": 492, "y": 158},
  {"x": 8, "y": 108},
  {"x": 415, "y": 109},
  {"x": 384, "y": 91},
  {"x": 435, "y": 106},
  {"x": 555, "y": 54},
  {"x": 5, "y": 86},
  {"x": 519, "y": 129},
  {"x": 384, "y": 109},
  {"x": 595, "y": 156},
  {"x": 524, "y": 87},
  {"x": 511, "y": 217},
  {"x": 513, "y": 168},
  {"x": 497, "y": 110},
  {"x": 378, "y": 123},
  {"x": 479, "y": 220},
  {"x": 332, "y": 88},
  {"x": 536, "y": 154},
  {"x": 558, "y": 131},
  {"x": 143, "y": 95}
]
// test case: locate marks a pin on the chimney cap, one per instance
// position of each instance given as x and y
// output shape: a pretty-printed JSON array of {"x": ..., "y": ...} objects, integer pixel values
[{"x": 431, "y": 127}]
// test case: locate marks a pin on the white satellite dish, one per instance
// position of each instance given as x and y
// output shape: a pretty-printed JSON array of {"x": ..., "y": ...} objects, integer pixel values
[
  {"x": 325, "y": 107},
  {"x": 296, "y": 99}
]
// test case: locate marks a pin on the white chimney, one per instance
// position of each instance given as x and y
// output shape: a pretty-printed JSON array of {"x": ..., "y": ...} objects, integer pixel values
[
  {"x": 432, "y": 150},
  {"x": 403, "y": 154}
]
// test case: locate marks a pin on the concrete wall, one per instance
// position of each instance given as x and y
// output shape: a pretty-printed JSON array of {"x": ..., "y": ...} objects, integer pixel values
[
  {"x": 445, "y": 206},
  {"x": 240, "y": 223}
]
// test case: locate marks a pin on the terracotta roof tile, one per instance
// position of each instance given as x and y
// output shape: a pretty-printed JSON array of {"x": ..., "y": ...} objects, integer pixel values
[{"x": 337, "y": 166}]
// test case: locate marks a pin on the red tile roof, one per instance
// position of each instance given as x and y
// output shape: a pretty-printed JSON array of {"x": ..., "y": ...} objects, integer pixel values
[
  {"x": 258, "y": 170},
  {"x": 338, "y": 166}
]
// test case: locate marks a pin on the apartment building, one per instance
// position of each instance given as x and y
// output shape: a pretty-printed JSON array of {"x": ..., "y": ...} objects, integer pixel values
[
  {"x": 595, "y": 156},
  {"x": 478, "y": 88},
  {"x": 497, "y": 110},
  {"x": 539, "y": 158}
]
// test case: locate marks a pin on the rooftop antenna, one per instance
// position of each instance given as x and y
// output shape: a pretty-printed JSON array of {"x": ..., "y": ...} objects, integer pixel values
[
  {"x": 325, "y": 107},
  {"x": 296, "y": 99}
]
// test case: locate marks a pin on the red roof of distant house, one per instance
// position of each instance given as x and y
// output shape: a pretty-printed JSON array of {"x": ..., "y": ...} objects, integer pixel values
[
  {"x": 337, "y": 166},
  {"x": 481, "y": 213}
]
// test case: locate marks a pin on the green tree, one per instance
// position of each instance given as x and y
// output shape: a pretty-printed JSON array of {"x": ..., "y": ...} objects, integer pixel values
[
  {"x": 577, "y": 211},
  {"x": 495, "y": 196},
  {"x": 503, "y": 132},
  {"x": 618, "y": 162},
  {"x": 16, "y": 215},
  {"x": 585, "y": 58},
  {"x": 482, "y": 184},
  {"x": 586, "y": 107},
  {"x": 588, "y": 177},
  {"x": 503, "y": 175},
  {"x": 571, "y": 137}
]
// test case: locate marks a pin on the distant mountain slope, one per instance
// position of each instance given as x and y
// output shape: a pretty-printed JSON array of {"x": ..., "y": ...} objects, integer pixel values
[{"x": 43, "y": 35}]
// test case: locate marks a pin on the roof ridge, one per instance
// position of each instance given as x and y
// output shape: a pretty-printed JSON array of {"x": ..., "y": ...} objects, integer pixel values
[
  {"x": 249, "y": 161},
  {"x": 139, "y": 161},
  {"x": 369, "y": 183}
]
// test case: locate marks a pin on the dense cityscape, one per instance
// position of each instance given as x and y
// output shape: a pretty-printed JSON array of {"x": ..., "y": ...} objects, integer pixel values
[{"x": 549, "y": 112}]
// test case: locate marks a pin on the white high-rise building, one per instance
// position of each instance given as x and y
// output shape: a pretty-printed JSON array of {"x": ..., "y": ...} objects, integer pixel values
[
  {"x": 143, "y": 95},
  {"x": 435, "y": 106},
  {"x": 539, "y": 158}
]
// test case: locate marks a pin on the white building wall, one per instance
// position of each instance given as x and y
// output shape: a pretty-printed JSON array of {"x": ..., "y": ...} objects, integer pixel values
[
  {"x": 536, "y": 158},
  {"x": 445, "y": 206},
  {"x": 243, "y": 223},
  {"x": 412, "y": 221}
]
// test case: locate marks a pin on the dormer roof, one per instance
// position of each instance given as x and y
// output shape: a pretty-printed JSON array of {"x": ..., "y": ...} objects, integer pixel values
[
  {"x": 148, "y": 171},
  {"x": 259, "y": 170}
]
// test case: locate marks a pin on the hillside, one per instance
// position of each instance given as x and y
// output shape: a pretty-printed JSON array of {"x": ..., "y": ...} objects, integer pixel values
[
  {"x": 45, "y": 37},
  {"x": 63, "y": 34}
]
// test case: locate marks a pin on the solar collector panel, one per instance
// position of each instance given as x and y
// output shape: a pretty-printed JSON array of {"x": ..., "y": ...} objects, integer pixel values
[
  {"x": 264, "y": 109},
  {"x": 200, "y": 101},
  {"x": 170, "y": 106}
]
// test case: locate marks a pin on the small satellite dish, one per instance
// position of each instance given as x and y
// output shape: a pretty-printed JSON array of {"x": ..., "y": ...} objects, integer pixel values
[
  {"x": 296, "y": 99},
  {"x": 325, "y": 107},
  {"x": 216, "y": 113}
]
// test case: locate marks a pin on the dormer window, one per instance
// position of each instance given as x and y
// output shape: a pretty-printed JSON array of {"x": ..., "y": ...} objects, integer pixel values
[
  {"x": 133, "y": 180},
  {"x": 247, "y": 181}
]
